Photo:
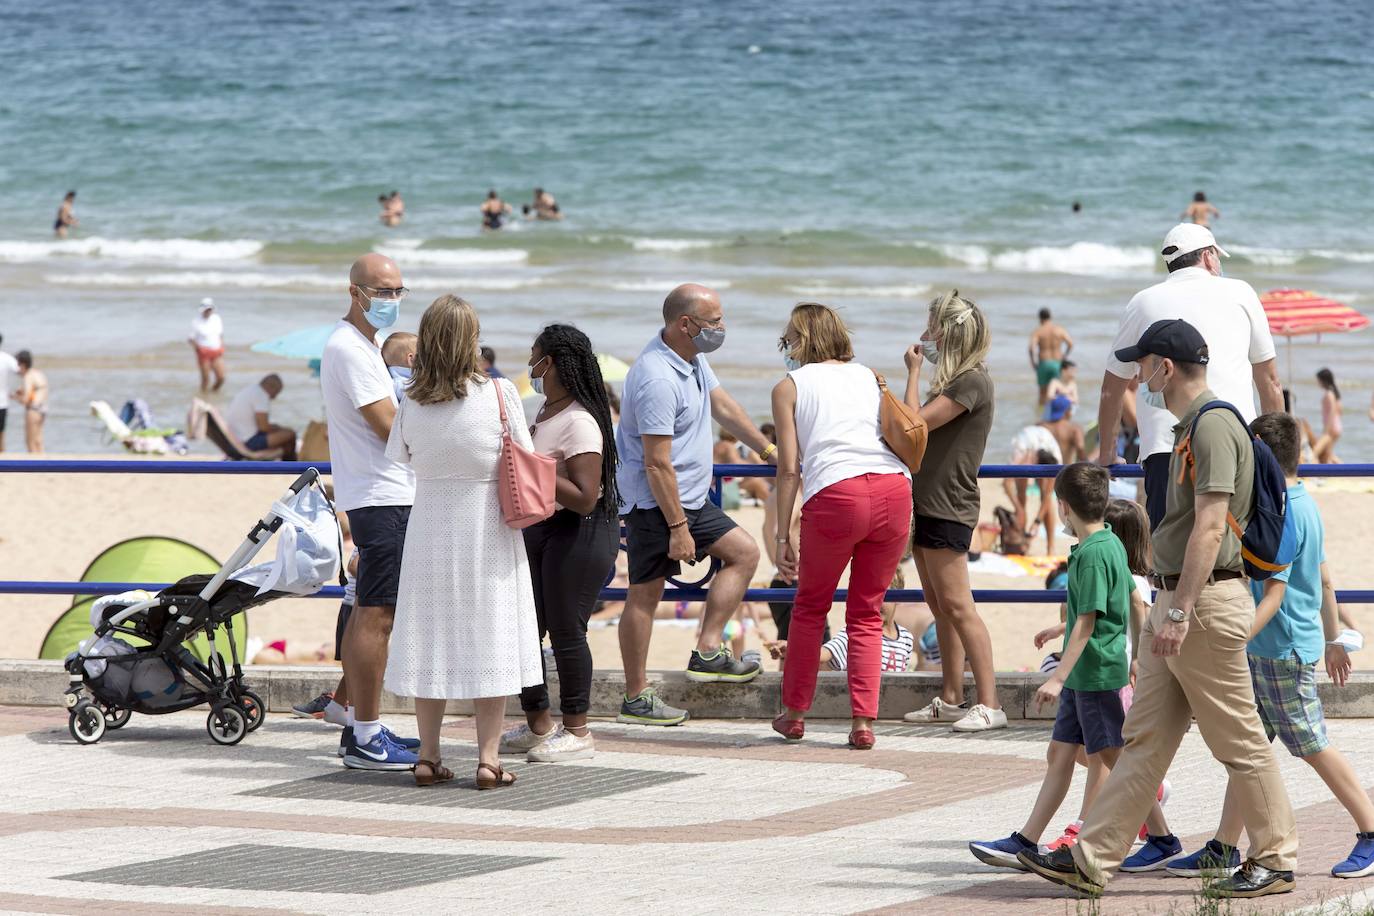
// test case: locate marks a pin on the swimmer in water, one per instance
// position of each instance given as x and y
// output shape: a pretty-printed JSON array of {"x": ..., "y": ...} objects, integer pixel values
[
  {"x": 66, "y": 217},
  {"x": 1200, "y": 211},
  {"x": 494, "y": 211},
  {"x": 393, "y": 208},
  {"x": 544, "y": 206}
]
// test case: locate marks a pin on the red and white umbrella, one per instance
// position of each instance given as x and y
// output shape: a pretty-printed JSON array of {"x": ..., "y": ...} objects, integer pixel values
[{"x": 1294, "y": 312}]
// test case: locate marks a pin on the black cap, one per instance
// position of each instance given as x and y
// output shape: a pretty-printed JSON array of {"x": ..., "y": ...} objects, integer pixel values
[{"x": 1172, "y": 338}]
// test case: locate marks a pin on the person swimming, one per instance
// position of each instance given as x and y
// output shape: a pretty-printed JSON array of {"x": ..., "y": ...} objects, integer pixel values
[
  {"x": 494, "y": 211},
  {"x": 1200, "y": 211},
  {"x": 393, "y": 208}
]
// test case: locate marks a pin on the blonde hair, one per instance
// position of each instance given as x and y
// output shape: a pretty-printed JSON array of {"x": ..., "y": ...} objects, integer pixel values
[
  {"x": 446, "y": 357},
  {"x": 965, "y": 338},
  {"x": 821, "y": 334}
]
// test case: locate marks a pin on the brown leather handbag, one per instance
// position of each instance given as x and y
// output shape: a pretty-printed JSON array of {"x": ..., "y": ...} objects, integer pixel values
[{"x": 903, "y": 430}]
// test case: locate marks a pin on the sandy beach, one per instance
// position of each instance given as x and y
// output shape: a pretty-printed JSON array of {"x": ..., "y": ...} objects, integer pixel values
[{"x": 53, "y": 525}]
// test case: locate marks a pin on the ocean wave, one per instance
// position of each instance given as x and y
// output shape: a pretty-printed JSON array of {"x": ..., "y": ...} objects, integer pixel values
[
  {"x": 253, "y": 280},
  {"x": 874, "y": 292},
  {"x": 1078, "y": 258},
  {"x": 661, "y": 286},
  {"x": 455, "y": 257},
  {"x": 639, "y": 244},
  {"x": 184, "y": 250}
]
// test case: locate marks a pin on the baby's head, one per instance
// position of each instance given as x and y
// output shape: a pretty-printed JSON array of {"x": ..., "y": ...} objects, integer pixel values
[{"x": 398, "y": 350}]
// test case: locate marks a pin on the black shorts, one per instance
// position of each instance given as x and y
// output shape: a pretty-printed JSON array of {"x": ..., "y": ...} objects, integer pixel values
[
  {"x": 1156, "y": 487},
  {"x": 379, "y": 533},
  {"x": 4, "y": 412},
  {"x": 345, "y": 609},
  {"x": 940, "y": 534},
  {"x": 1092, "y": 718},
  {"x": 647, "y": 536}
]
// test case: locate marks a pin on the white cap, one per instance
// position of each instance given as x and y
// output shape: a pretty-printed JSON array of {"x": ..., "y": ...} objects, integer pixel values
[
  {"x": 207, "y": 303},
  {"x": 1186, "y": 237}
]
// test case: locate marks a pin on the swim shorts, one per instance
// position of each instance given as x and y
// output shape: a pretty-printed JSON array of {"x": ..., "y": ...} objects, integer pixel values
[{"x": 1047, "y": 371}]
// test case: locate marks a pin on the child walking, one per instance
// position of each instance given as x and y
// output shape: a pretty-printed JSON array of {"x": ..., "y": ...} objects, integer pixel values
[
  {"x": 1094, "y": 666},
  {"x": 1295, "y": 625},
  {"x": 1324, "y": 450}
]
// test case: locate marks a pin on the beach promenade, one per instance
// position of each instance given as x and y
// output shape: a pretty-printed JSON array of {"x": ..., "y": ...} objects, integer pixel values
[{"x": 155, "y": 819}]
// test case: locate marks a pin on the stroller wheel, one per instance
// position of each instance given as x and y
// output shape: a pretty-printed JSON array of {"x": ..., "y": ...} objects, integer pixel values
[
  {"x": 254, "y": 709},
  {"x": 116, "y": 717},
  {"x": 86, "y": 723},
  {"x": 227, "y": 725}
]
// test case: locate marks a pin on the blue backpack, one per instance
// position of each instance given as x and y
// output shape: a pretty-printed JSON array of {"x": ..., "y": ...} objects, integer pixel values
[{"x": 1267, "y": 543}]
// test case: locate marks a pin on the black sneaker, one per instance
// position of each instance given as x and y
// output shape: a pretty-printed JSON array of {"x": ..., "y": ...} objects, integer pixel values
[
  {"x": 1059, "y": 866},
  {"x": 721, "y": 667},
  {"x": 1254, "y": 880}
]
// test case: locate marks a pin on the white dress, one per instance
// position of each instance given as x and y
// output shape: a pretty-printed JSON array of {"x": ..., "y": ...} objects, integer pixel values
[{"x": 465, "y": 621}]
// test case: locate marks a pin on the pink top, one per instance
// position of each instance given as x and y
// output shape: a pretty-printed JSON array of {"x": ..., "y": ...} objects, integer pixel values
[{"x": 571, "y": 432}]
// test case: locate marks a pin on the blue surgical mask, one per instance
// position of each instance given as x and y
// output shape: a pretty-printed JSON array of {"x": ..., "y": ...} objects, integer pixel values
[
  {"x": 930, "y": 351},
  {"x": 537, "y": 382},
  {"x": 1154, "y": 399},
  {"x": 382, "y": 313},
  {"x": 791, "y": 364}
]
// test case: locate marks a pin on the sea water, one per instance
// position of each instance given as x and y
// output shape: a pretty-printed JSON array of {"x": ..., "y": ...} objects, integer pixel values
[{"x": 865, "y": 154}]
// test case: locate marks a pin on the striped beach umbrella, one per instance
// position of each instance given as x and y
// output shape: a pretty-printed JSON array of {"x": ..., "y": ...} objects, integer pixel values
[{"x": 1295, "y": 312}]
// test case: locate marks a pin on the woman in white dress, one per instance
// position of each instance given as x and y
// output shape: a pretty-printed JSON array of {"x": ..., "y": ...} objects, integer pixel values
[{"x": 465, "y": 620}]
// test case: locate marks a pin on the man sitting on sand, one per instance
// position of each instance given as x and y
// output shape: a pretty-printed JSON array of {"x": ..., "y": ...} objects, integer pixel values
[
  {"x": 248, "y": 419},
  {"x": 207, "y": 339},
  {"x": 33, "y": 397},
  {"x": 1049, "y": 347},
  {"x": 1059, "y": 421}
]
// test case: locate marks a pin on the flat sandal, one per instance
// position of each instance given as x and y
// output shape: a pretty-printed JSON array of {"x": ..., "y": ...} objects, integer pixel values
[
  {"x": 498, "y": 778},
  {"x": 437, "y": 772}
]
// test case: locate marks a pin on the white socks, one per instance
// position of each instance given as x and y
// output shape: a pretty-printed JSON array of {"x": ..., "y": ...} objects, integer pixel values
[
  {"x": 363, "y": 732},
  {"x": 335, "y": 714}
]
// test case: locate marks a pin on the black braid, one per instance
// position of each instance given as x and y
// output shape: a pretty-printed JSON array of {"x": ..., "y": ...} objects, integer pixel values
[{"x": 578, "y": 370}]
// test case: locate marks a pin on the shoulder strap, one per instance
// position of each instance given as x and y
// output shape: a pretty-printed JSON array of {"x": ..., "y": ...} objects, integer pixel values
[
  {"x": 882, "y": 382},
  {"x": 500, "y": 402}
]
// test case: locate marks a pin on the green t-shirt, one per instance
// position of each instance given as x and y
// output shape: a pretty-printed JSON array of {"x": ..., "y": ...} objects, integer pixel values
[{"x": 1100, "y": 583}]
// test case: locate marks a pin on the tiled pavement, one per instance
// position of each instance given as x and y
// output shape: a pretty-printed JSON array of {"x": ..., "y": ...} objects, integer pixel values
[{"x": 710, "y": 817}]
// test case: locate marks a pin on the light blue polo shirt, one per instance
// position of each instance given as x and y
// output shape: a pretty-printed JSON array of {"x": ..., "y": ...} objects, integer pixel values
[
  {"x": 1297, "y": 627},
  {"x": 665, "y": 395}
]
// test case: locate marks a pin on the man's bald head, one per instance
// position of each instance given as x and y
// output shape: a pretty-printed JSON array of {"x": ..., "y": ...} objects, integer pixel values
[
  {"x": 688, "y": 299},
  {"x": 375, "y": 271}
]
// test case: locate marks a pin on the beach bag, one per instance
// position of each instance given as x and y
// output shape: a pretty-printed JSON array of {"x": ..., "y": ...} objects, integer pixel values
[
  {"x": 526, "y": 479},
  {"x": 902, "y": 429},
  {"x": 1267, "y": 543}
]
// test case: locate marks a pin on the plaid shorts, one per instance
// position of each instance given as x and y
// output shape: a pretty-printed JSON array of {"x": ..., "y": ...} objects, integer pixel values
[{"x": 1286, "y": 693}]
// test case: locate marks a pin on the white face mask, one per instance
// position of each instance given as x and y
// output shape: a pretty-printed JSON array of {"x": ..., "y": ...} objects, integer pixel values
[
  {"x": 930, "y": 351},
  {"x": 1067, "y": 527},
  {"x": 1151, "y": 398}
]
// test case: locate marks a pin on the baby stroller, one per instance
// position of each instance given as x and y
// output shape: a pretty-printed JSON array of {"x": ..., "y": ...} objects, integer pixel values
[{"x": 136, "y": 660}]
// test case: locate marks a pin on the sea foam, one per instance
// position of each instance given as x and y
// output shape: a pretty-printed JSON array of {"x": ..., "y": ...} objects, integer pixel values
[
  {"x": 872, "y": 292},
  {"x": 455, "y": 257},
  {"x": 190, "y": 251},
  {"x": 195, "y": 279},
  {"x": 1078, "y": 258}
]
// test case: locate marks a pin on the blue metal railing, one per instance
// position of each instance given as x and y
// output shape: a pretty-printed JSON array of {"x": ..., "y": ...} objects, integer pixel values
[{"x": 680, "y": 593}]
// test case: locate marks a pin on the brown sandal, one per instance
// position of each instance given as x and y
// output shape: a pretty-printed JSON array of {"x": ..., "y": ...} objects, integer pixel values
[
  {"x": 437, "y": 772},
  {"x": 498, "y": 778}
]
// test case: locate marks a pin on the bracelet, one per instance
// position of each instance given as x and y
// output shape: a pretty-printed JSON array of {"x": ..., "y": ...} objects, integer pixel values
[
  {"x": 783, "y": 540},
  {"x": 677, "y": 524},
  {"x": 768, "y": 452}
]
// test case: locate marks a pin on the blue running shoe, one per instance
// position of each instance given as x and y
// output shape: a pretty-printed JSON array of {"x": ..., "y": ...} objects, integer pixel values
[
  {"x": 1002, "y": 853},
  {"x": 1213, "y": 859},
  {"x": 1157, "y": 852},
  {"x": 345, "y": 739},
  {"x": 1360, "y": 862},
  {"x": 378, "y": 754},
  {"x": 410, "y": 744}
]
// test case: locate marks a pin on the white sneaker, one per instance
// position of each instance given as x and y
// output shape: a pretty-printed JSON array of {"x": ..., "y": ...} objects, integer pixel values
[
  {"x": 520, "y": 739},
  {"x": 562, "y": 745},
  {"x": 981, "y": 719},
  {"x": 937, "y": 712}
]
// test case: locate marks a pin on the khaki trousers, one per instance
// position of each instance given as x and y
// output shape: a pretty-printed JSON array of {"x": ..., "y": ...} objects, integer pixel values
[{"x": 1208, "y": 680}]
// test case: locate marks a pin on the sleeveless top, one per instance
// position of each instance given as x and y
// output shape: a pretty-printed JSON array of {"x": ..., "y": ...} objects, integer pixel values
[{"x": 837, "y": 426}]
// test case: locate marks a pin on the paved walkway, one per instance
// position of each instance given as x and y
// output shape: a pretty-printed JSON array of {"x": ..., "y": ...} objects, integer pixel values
[{"x": 710, "y": 817}]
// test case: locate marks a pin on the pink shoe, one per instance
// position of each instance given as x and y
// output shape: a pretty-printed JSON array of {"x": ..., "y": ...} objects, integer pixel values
[
  {"x": 791, "y": 729},
  {"x": 1069, "y": 838}
]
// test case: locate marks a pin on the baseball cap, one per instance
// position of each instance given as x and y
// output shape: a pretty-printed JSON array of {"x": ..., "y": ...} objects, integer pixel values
[
  {"x": 1172, "y": 338},
  {"x": 207, "y": 303},
  {"x": 1059, "y": 407},
  {"x": 1187, "y": 237}
]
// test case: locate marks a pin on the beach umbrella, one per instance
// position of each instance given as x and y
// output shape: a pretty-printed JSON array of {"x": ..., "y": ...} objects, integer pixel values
[
  {"x": 307, "y": 343},
  {"x": 1295, "y": 312},
  {"x": 612, "y": 369}
]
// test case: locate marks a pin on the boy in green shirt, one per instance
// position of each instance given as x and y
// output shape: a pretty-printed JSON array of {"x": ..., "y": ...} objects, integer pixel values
[{"x": 1094, "y": 666}]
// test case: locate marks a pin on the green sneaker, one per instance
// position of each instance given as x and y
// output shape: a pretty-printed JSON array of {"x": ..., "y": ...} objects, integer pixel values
[{"x": 649, "y": 709}]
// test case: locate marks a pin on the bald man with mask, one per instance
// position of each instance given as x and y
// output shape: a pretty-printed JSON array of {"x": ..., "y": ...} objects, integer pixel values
[
  {"x": 376, "y": 492},
  {"x": 664, "y": 441}
]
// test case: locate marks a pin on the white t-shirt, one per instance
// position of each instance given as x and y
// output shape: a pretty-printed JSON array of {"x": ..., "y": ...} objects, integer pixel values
[
  {"x": 9, "y": 378},
  {"x": 571, "y": 432},
  {"x": 352, "y": 375},
  {"x": 208, "y": 332},
  {"x": 1227, "y": 314},
  {"x": 1029, "y": 440},
  {"x": 241, "y": 415},
  {"x": 837, "y": 426}
]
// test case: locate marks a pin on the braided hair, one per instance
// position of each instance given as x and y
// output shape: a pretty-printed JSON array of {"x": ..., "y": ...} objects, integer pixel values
[{"x": 571, "y": 351}]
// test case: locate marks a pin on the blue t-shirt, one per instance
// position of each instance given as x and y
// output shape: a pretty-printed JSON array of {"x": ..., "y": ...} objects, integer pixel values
[
  {"x": 1297, "y": 626},
  {"x": 665, "y": 395}
]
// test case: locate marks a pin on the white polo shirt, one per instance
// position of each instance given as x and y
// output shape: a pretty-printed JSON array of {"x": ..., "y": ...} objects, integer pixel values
[
  {"x": 1227, "y": 314},
  {"x": 353, "y": 375},
  {"x": 241, "y": 414}
]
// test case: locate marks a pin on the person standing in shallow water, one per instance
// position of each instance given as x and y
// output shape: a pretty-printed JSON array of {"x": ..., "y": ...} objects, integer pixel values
[
  {"x": 1200, "y": 212},
  {"x": 945, "y": 503},
  {"x": 494, "y": 211},
  {"x": 572, "y": 553},
  {"x": 66, "y": 216}
]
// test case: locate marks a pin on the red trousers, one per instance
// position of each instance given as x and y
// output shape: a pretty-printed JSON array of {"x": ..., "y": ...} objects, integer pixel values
[{"x": 864, "y": 520}]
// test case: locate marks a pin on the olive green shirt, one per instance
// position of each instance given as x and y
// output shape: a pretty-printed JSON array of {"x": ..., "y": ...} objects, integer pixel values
[
  {"x": 1224, "y": 462},
  {"x": 946, "y": 487}
]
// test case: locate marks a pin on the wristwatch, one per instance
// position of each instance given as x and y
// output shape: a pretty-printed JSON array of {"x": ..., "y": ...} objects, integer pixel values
[{"x": 1177, "y": 615}]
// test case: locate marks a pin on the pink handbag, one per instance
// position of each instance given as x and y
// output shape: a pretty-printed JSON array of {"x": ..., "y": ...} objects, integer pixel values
[{"x": 526, "y": 481}]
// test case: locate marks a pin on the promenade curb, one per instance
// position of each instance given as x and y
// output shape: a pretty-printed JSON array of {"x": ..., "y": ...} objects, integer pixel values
[{"x": 41, "y": 683}]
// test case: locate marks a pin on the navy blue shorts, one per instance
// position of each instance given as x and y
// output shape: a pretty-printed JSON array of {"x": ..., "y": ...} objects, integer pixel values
[
  {"x": 256, "y": 442},
  {"x": 379, "y": 533},
  {"x": 1092, "y": 718}
]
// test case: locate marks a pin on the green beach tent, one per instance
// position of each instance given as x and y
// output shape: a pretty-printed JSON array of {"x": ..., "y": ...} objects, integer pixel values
[{"x": 141, "y": 559}]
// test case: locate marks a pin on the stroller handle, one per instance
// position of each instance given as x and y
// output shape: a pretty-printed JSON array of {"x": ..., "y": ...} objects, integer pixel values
[{"x": 308, "y": 476}]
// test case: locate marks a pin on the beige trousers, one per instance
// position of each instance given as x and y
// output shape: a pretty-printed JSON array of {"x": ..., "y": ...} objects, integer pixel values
[{"x": 1210, "y": 681}]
